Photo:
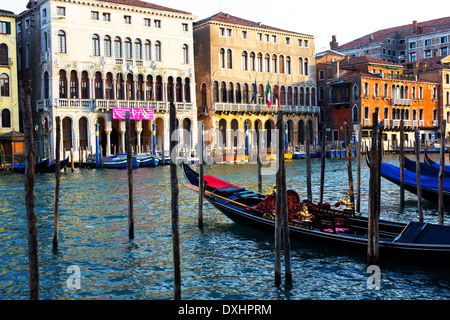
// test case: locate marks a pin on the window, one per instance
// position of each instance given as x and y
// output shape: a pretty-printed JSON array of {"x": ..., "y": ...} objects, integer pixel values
[
  {"x": 230, "y": 32},
  {"x": 94, "y": 15},
  {"x": 117, "y": 47},
  {"x": 306, "y": 42},
  {"x": 288, "y": 41},
  {"x": 259, "y": 36},
  {"x": 4, "y": 60},
  {"x": 158, "y": 51},
  {"x": 244, "y": 35},
  {"x": 288, "y": 65},
  {"x": 19, "y": 27},
  {"x": 222, "y": 32},
  {"x": 306, "y": 66},
  {"x": 300, "y": 42},
  {"x": 185, "y": 53},
  {"x": 230, "y": 59},
  {"x": 148, "y": 50},
  {"x": 274, "y": 39},
  {"x": 45, "y": 42},
  {"x": 428, "y": 42},
  {"x": 127, "y": 19},
  {"x": 444, "y": 51},
  {"x": 444, "y": 39},
  {"x": 321, "y": 75},
  {"x": 27, "y": 23},
  {"x": 412, "y": 45},
  {"x": 107, "y": 42},
  {"x": 185, "y": 27},
  {"x": 138, "y": 49},
  {"x": 267, "y": 38},
  {"x": 157, "y": 23},
  {"x": 147, "y": 22},
  {"x": 413, "y": 56},
  {"x": 6, "y": 118},
  {"x": 5, "y": 27},
  {"x": 95, "y": 45},
  {"x": 4, "y": 85},
  {"x": 222, "y": 57},
  {"x": 62, "y": 42},
  {"x": 244, "y": 60},
  {"x": 60, "y": 11},
  {"x": 106, "y": 16},
  {"x": 427, "y": 53},
  {"x": 128, "y": 51}
]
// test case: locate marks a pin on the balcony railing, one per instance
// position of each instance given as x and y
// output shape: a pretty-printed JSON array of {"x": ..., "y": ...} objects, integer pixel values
[
  {"x": 242, "y": 107},
  {"x": 401, "y": 102},
  {"x": 163, "y": 106}
]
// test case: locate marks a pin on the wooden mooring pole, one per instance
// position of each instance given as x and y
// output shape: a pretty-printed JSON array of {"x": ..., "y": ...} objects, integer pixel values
[
  {"x": 372, "y": 243},
  {"x": 174, "y": 206},
  {"x": 57, "y": 182},
  {"x": 441, "y": 175},
  {"x": 130, "y": 176},
  {"x": 322, "y": 167},
  {"x": 349, "y": 163},
  {"x": 308, "y": 161},
  {"x": 358, "y": 165},
  {"x": 30, "y": 204},
  {"x": 258, "y": 157},
  {"x": 418, "y": 181},
  {"x": 201, "y": 179},
  {"x": 402, "y": 163}
]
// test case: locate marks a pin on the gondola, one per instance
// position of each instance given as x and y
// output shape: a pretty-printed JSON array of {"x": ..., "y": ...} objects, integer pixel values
[
  {"x": 115, "y": 162},
  {"x": 429, "y": 184},
  {"x": 38, "y": 166},
  {"x": 425, "y": 169},
  {"x": 50, "y": 168},
  {"x": 147, "y": 160},
  {"x": 323, "y": 223},
  {"x": 434, "y": 164}
]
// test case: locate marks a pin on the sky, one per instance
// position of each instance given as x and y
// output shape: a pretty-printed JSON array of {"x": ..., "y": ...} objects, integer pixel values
[{"x": 347, "y": 19}]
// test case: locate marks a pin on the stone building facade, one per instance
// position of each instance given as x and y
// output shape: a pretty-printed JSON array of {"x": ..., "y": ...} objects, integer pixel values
[{"x": 87, "y": 58}]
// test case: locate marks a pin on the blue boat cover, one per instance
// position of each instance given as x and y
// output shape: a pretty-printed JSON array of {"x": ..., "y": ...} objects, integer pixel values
[
  {"x": 424, "y": 233},
  {"x": 392, "y": 172}
]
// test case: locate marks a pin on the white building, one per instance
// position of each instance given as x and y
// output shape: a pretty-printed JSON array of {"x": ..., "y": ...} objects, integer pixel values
[{"x": 87, "y": 58}]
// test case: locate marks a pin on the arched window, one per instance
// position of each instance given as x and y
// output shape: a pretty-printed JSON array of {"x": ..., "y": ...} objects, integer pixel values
[
  {"x": 296, "y": 96},
  {"x": 306, "y": 67},
  {"x": 203, "y": 96},
  {"x": 260, "y": 62},
  {"x": 222, "y": 58},
  {"x": 366, "y": 89},
  {"x": 109, "y": 86},
  {"x": 95, "y": 45},
  {"x": 84, "y": 85},
  {"x": 178, "y": 90},
  {"x": 158, "y": 56},
  {"x": 158, "y": 88},
  {"x": 244, "y": 60},
  {"x": 187, "y": 90},
  {"x": 128, "y": 51},
  {"x": 119, "y": 84},
  {"x": 288, "y": 65},
  {"x": 215, "y": 92},
  {"x": 6, "y": 118},
  {"x": 107, "y": 45},
  {"x": 300, "y": 65},
  {"x": 185, "y": 54},
  {"x": 252, "y": 61},
  {"x": 98, "y": 84},
  {"x": 62, "y": 84},
  {"x": 4, "y": 60},
  {"x": 62, "y": 42},
  {"x": 267, "y": 62},
  {"x": 27, "y": 55},
  {"x": 117, "y": 47},
  {"x": 230, "y": 59},
  {"x": 73, "y": 85},
  {"x": 138, "y": 49},
  {"x": 148, "y": 50},
  {"x": 274, "y": 64},
  {"x": 4, "y": 85},
  {"x": 46, "y": 85},
  {"x": 281, "y": 63},
  {"x": 289, "y": 96}
]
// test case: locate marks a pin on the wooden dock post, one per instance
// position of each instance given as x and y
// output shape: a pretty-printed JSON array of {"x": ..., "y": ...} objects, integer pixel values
[
  {"x": 358, "y": 166},
  {"x": 441, "y": 175},
  {"x": 57, "y": 182},
  {"x": 372, "y": 236},
  {"x": 174, "y": 206},
  {"x": 130, "y": 176},
  {"x": 402, "y": 163},
  {"x": 201, "y": 179},
  {"x": 258, "y": 157},
  {"x": 349, "y": 163},
  {"x": 308, "y": 161},
  {"x": 72, "y": 164},
  {"x": 418, "y": 181},
  {"x": 30, "y": 204},
  {"x": 322, "y": 167}
]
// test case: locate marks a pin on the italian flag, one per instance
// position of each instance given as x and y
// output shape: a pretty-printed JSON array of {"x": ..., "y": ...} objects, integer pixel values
[{"x": 268, "y": 95}]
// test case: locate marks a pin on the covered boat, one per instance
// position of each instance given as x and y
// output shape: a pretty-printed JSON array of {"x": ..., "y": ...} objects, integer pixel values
[
  {"x": 115, "y": 162},
  {"x": 147, "y": 160},
  {"x": 425, "y": 169},
  {"x": 323, "y": 224}
]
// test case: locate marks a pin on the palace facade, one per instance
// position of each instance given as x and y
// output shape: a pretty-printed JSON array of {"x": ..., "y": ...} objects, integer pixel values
[
  {"x": 236, "y": 60},
  {"x": 87, "y": 58}
]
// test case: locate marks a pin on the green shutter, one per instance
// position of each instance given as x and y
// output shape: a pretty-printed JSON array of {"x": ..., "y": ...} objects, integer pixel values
[{"x": 8, "y": 27}]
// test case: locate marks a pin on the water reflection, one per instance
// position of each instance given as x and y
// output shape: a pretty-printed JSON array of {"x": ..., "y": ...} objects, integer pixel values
[{"x": 224, "y": 261}]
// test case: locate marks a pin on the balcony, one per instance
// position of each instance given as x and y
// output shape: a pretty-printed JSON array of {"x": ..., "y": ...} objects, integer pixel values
[
  {"x": 105, "y": 105},
  {"x": 242, "y": 107},
  {"x": 401, "y": 102}
]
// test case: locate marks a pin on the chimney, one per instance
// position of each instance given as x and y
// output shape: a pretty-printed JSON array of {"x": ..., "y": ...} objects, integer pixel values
[
  {"x": 334, "y": 45},
  {"x": 415, "y": 26},
  {"x": 335, "y": 64}
]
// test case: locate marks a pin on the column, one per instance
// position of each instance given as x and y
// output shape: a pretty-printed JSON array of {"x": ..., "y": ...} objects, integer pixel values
[
  {"x": 138, "y": 135},
  {"x": 122, "y": 136},
  {"x": 108, "y": 141}
]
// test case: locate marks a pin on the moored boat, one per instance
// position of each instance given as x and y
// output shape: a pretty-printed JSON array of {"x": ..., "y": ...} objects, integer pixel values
[
  {"x": 324, "y": 224},
  {"x": 147, "y": 160}
]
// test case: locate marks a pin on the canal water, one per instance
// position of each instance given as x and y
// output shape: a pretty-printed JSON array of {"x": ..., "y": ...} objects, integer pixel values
[{"x": 224, "y": 261}]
